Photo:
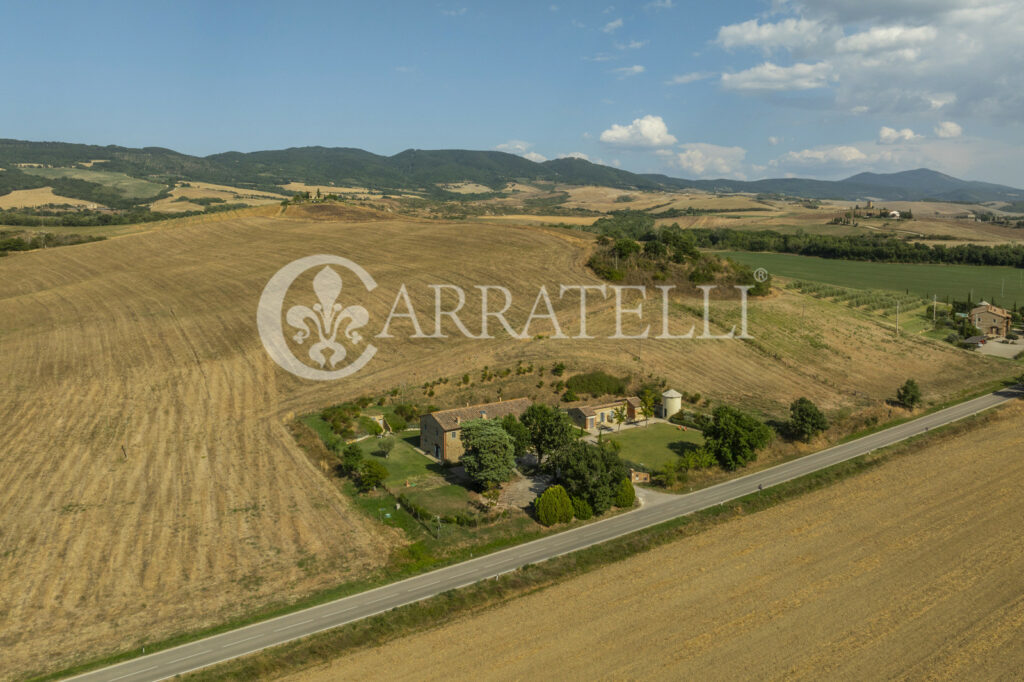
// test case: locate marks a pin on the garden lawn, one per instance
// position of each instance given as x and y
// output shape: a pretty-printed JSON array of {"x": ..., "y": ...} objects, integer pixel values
[{"x": 651, "y": 447}]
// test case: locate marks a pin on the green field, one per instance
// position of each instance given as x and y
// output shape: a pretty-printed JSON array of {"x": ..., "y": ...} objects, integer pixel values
[
  {"x": 131, "y": 188},
  {"x": 1003, "y": 285},
  {"x": 651, "y": 447}
]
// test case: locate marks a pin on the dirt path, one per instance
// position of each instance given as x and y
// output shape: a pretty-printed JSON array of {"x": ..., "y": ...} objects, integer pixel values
[{"x": 911, "y": 570}]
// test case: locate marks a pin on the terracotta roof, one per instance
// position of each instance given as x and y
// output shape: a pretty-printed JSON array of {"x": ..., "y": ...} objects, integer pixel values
[
  {"x": 989, "y": 308},
  {"x": 591, "y": 410},
  {"x": 451, "y": 419}
]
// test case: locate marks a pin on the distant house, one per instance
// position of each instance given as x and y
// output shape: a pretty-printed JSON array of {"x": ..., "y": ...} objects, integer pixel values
[
  {"x": 991, "y": 320},
  {"x": 975, "y": 342},
  {"x": 639, "y": 476},
  {"x": 595, "y": 416},
  {"x": 441, "y": 432},
  {"x": 894, "y": 214}
]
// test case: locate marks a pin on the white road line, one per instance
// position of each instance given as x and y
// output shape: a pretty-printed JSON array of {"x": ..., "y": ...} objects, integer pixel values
[
  {"x": 295, "y": 625},
  {"x": 239, "y": 641},
  {"x": 185, "y": 658},
  {"x": 133, "y": 673}
]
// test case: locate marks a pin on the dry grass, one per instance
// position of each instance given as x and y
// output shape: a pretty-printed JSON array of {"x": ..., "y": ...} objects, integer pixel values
[
  {"x": 148, "y": 342},
  {"x": 911, "y": 570},
  {"x": 202, "y": 190},
  {"x": 465, "y": 188},
  {"x": 42, "y": 196},
  {"x": 527, "y": 219}
]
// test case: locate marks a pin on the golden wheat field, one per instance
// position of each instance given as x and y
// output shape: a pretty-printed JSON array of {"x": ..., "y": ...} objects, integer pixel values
[
  {"x": 148, "y": 484},
  {"x": 42, "y": 196},
  {"x": 909, "y": 571}
]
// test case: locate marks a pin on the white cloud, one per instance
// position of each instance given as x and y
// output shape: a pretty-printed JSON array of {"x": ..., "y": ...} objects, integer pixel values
[
  {"x": 522, "y": 148},
  {"x": 574, "y": 155},
  {"x": 881, "y": 38},
  {"x": 789, "y": 33},
  {"x": 649, "y": 131},
  {"x": 887, "y": 135},
  {"x": 454, "y": 12},
  {"x": 772, "y": 140},
  {"x": 626, "y": 71},
  {"x": 770, "y": 77},
  {"x": 691, "y": 77},
  {"x": 659, "y": 4},
  {"x": 705, "y": 159},
  {"x": 631, "y": 45},
  {"x": 841, "y": 154},
  {"x": 948, "y": 129},
  {"x": 612, "y": 26}
]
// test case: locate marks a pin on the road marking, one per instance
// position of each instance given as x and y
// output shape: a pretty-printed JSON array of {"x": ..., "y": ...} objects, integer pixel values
[
  {"x": 295, "y": 625},
  {"x": 185, "y": 658},
  {"x": 239, "y": 641},
  {"x": 133, "y": 673},
  {"x": 374, "y": 601}
]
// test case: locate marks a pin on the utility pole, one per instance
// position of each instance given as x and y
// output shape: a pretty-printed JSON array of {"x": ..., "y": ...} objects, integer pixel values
[
  {"x": 935, "y": 302},
  {"x": 897, "y": 318}
]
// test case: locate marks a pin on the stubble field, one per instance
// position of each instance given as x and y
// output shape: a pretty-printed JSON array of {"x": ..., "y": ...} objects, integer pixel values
[
  {"x": 909, "y": 571},
  {"x": 147, "y": 480}
]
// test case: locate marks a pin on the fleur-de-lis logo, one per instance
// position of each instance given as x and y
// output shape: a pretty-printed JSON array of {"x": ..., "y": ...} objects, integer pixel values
[
  {"x": 320, "y": 323},
  {"x": 326, "y": 317}
]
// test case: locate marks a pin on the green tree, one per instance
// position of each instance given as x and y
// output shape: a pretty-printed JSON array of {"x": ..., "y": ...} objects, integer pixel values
[
  {"x": 625, "y": 495},
  {"x": 590, "y": 472},
  {"x": 385, "y": 446},
  {"x": 581, "y": 509},
  {"x": 909, "y": 394},
  {"x": 549, "y": 429},
  {"x": 371, "y": 475},
  {"x": 734, "y": 437},
  {"x": 805, "y": 420},
  {"x": 647, "y": 400},
  {"x": 489, "y": 456},
  {"x": 520, "y": 434},
  {"x": 620, "y": 415},
  {"x": 351, "y": 458},
  {"x": 553, "y": 506}
]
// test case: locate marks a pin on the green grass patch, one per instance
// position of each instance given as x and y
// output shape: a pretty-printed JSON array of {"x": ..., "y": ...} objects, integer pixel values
[
  {"x": 994, "y": 284},
  {"x": 132, "y": 188},
  {"x": 653, "y": 446}
]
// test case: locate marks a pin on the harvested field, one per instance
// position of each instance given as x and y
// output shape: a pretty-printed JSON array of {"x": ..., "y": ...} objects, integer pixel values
[
  {"x": 527, "y": 219},
  {"x": 148, "y": 482},
  {"x": 911, "y": 570},
  {"x": 42, "y": 196},
  {"x": 202, "y": 190}
]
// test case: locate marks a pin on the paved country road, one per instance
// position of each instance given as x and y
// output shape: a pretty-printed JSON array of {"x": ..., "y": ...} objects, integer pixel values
[{"x": 252, "y": 638}]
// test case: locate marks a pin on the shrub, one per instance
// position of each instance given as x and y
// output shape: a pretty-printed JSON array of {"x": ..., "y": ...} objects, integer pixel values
[
  {"x": 596, "y": 384},
  {"x": 909, "y": 394},
  {"x": 369, "y": 426},
  {"x": 806, "y": 420},
  {"x": 371, "y": 475},
  {"x": 554, "y": 506},
  {"x": 625, "y": 495},
  {"x": 395, "y": 422},
  {"x": 581, "y": 509},
  {"x": 351, "y": 458}
]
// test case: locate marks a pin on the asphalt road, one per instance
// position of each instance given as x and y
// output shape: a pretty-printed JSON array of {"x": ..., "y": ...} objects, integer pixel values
[{"x": 252, "y": 638}]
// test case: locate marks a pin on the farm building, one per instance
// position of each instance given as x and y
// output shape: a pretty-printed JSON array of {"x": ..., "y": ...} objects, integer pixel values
[
  {"x": 639, "y": 476},
  {"x": 671, "y": 402},
  {"x": 894, "y": 214},
  {"x": 440, "y": 432},
  {"x": 595, "y": 416},
  {"x": 991, "y": 320}
]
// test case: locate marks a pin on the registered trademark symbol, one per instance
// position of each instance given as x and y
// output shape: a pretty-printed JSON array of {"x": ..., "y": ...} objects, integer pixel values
[{"x": 761, "y": 275}]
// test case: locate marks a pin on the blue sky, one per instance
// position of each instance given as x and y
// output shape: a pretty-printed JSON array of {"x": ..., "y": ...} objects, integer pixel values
[{"x": 822, "y": 88}]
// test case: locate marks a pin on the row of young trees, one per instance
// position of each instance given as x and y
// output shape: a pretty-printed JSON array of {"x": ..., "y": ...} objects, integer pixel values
[{"x": 880, "y": 248}]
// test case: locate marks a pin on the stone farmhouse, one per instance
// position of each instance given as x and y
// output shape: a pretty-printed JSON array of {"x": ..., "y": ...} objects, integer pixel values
[
  {"x": 595, "y": 416},
  {"x": 441, "y": 432},
  {"x": 991, "y": 320}
]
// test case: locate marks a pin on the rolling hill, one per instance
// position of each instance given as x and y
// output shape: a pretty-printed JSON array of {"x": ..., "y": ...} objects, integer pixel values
[{"x": 425, "y": 169}]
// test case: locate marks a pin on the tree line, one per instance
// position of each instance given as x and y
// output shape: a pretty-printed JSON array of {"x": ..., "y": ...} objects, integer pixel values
[{"x": 877, "y": 248}]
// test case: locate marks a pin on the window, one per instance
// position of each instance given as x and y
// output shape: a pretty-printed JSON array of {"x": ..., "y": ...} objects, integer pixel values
[{"x": 454, "y": 433}]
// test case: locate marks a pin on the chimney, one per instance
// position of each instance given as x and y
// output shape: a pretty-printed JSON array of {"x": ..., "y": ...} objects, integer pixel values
[{"x": 457, "y": 420}]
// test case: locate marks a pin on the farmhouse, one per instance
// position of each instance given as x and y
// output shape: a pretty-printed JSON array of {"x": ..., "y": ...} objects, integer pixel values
[
  {"x": 594, "y": 416},
  {"x": 636, "y": 476},
  {"x": 441, "y": 432},
  {"x": 991, "y": 320}
]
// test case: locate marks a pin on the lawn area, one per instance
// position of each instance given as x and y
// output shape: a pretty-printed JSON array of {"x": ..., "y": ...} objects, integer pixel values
[
  {"x": 651, "y": 447},
  {"x": 994, "y": 284}
]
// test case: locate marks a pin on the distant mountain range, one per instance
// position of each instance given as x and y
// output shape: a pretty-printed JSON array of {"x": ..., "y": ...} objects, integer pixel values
[{"x": 420, "y": 169}]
